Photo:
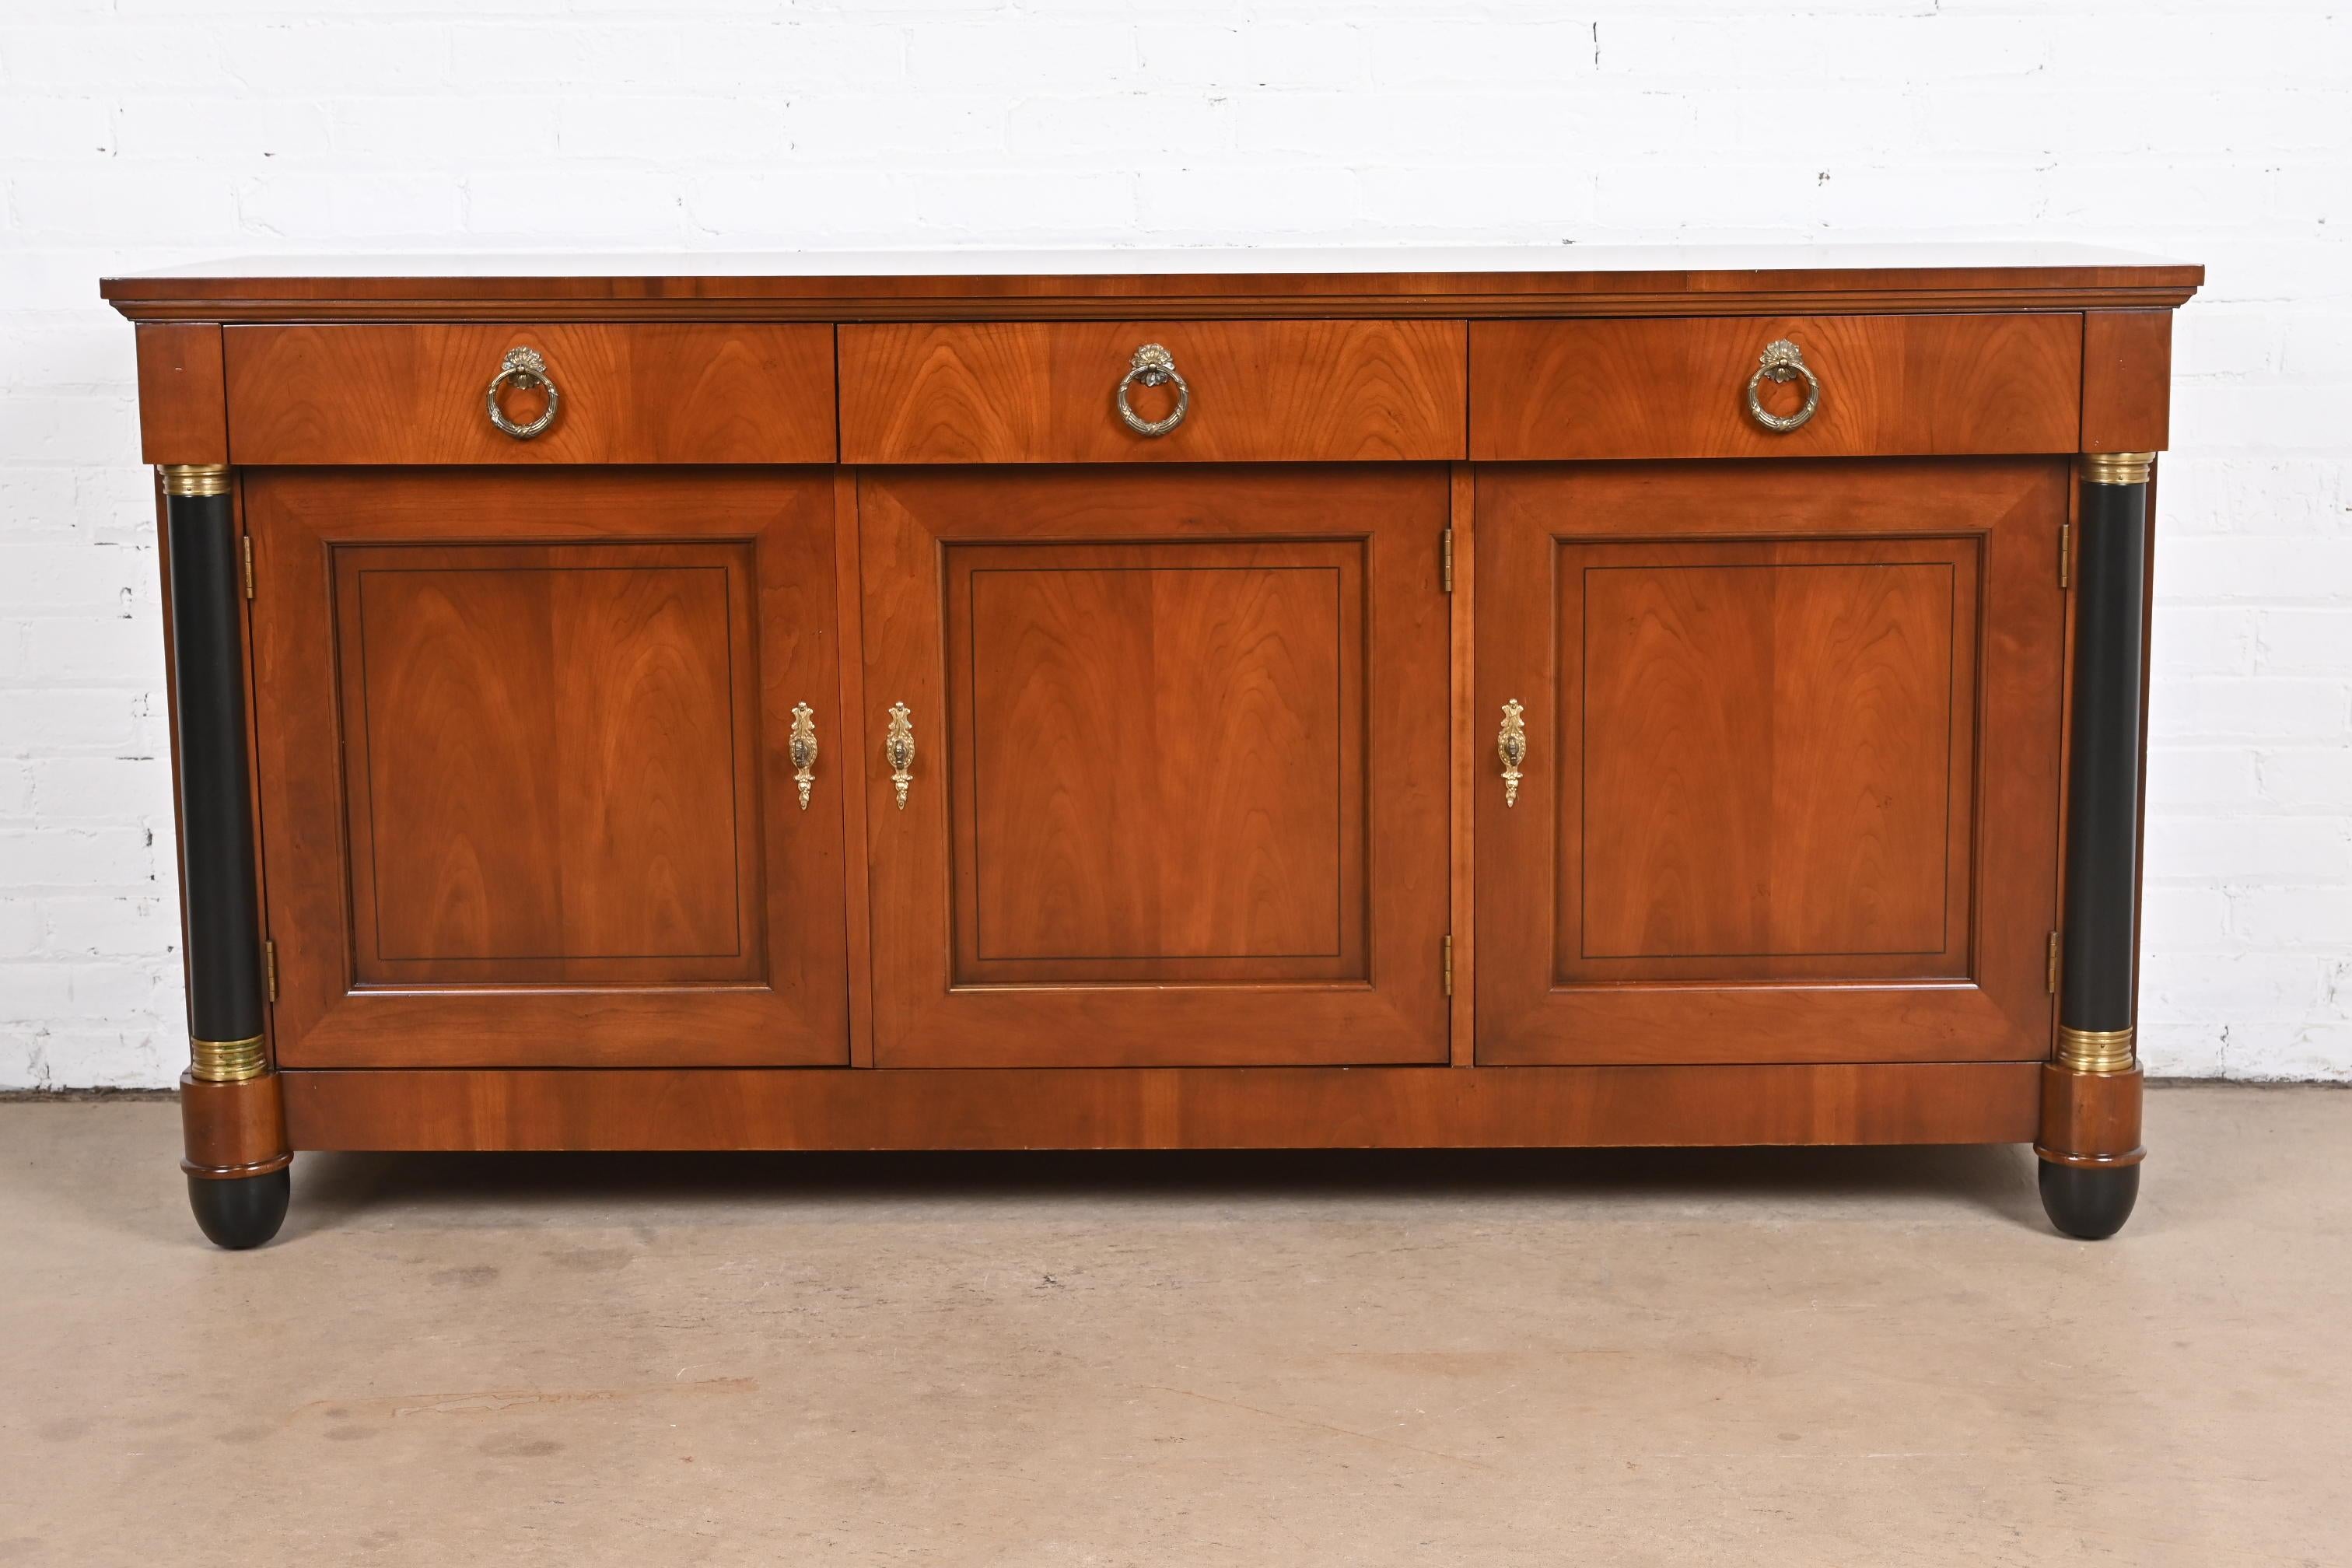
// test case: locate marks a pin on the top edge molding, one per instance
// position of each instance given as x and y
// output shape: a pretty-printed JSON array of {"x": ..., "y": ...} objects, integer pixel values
[{"x": 947, "y": 284}]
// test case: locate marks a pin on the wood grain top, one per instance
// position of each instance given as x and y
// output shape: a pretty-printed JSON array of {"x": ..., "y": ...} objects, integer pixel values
[{"x": 1111, "y": 283}]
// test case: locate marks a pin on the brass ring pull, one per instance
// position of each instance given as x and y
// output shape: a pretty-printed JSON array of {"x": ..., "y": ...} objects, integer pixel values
[
  {"x": 1511, "y": 746},
  {"x": 1783, "y": 361},
  {"x": 899, "y": 747},
  {"x": 1152, "y": 366},
  {"x": 524, "y": 368},
  {"x": 803, "y": 750}
]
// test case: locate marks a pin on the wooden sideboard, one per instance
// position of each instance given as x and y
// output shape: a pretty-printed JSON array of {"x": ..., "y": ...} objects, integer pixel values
[{"x": 1380, "y": 700}]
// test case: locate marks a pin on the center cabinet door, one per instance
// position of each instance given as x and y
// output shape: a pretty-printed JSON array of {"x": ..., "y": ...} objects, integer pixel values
[
  {"x": 1178, "y": 790},
  {"x": 1790, "y": 784}
]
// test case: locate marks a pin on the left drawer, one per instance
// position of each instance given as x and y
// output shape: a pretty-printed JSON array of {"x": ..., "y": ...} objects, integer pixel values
[{"x": 622, "y": 394}]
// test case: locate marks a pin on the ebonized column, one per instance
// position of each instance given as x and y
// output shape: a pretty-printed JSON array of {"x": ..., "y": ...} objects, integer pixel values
[
  {"x": 230, "y": 1105},
  {"x": 2090, "y": 1145}
]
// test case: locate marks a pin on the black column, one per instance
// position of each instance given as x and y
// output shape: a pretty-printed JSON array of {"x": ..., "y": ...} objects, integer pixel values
[
  {"x": 216, "y": 850},
  {"x": 2098, "y": 1000}
]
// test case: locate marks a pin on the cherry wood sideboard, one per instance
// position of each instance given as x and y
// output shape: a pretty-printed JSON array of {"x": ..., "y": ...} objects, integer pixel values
[{"x": 1269, "y": 699}]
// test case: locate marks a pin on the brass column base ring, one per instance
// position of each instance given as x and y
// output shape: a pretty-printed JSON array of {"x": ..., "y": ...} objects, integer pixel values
[
  {"x": 2099, "y": 1052},
  {"x": 227, "y": 1061}
]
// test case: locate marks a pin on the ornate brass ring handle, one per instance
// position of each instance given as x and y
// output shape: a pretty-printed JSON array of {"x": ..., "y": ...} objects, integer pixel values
[
  {"x": 524, "y": 368},
  {"x": 1783, "y": 361},
  {"x": 899, "y": 746},
  {"x": 1152, "y": 366},
  {"x": 803, "y": 750},
  {"x": 1511, "y": 746}
]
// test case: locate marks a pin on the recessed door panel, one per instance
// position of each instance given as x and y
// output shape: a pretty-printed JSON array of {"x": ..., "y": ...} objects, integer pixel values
[
  {"x": 526, "y": 784},
  {"x": 1179, "y": 785},
  {"x": 1789, "y": 791},
  {"x": 1159, "y": 754},
  {"x": 1771, "y": 741},
  {"x": 545, "y": 745}
]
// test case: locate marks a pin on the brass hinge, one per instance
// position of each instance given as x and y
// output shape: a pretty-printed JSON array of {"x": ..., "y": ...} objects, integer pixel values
[
  {"x": 2065, "y": 549},
  {"x": 2050, "y": 975},
  {"x": 1445, "y": 560},
  {"x": 269, "y": 968},
  {"x": 248, "y": 567},
  {"x": 1449, "y": 966}
]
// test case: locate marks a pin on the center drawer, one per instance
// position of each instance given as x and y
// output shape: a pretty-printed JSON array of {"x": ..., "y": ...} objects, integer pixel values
[{"x": 1209, "y": 392}]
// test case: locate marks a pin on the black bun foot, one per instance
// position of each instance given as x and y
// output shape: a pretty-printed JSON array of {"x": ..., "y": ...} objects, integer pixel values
[
  {"x": 2089, "y": 1202},
  {"x": 246, "y": 1211}
]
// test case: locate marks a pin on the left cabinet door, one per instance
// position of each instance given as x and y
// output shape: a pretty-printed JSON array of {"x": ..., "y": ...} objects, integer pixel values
[{"x": 525, "y": 761}]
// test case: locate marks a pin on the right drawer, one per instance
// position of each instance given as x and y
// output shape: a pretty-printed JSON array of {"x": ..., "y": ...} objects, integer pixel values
[{"x": 1737, "y": 386}]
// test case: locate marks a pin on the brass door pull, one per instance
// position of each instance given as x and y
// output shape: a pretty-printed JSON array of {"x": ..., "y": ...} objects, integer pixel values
[
  {"x": 803, "y": 750},
  {"x": 1782, "y": 361},
  {"x": 1511, "y": 746},
  {"x": 899, "y": 747},
  {"x": 522, "y": 367},
  {"x": 1152, "y": 366}
]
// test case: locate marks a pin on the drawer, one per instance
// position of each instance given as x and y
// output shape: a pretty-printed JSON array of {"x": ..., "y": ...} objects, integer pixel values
[
  {"x": 1680, "y": 387},
  {"x": 639, "y": 394},
  {"x": 1025, "y": 392}
]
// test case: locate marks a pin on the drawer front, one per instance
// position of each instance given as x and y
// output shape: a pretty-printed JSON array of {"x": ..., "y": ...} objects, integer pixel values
[
  {"x": 1890, "y": 385},
  {"x": 1022, "y": 392},
  {"x": 642, "y": 393}
]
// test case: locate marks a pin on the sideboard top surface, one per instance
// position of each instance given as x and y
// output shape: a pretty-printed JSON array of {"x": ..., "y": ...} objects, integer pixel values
[{"x": 1563, "y": 280}]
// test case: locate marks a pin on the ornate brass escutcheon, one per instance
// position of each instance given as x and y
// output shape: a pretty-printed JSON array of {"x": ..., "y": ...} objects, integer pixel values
[
  {"x": 1511, "y": 746},
  {"x": 899, "y": 747},
  {"x": 803, "y": 750}
]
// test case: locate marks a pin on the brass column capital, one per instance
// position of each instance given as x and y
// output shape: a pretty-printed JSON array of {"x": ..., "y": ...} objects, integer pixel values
[
  {"x": 2117, "y": 468},
  {"x": 195, "y": 478}
]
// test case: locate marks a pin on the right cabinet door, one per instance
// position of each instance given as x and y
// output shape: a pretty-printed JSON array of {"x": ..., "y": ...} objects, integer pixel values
[{"x": 1791, "y": 781}]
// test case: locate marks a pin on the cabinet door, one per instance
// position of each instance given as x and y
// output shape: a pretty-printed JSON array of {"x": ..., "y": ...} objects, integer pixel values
[
  {"x": 1792, "y": 737},
  {"x": 1179, "y": 784},
  {"x": 527, "y": 791}
]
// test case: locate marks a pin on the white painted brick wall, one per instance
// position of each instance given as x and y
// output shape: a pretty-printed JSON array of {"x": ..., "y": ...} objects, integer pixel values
[{"x": 140, "y": 132}]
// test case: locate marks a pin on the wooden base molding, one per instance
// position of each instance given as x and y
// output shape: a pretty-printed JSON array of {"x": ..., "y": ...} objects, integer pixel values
[{"x": 1172, "y": 1108}]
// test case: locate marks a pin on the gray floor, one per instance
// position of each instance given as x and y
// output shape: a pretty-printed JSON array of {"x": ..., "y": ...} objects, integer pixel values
[{"x": 1826, "y": 1357}]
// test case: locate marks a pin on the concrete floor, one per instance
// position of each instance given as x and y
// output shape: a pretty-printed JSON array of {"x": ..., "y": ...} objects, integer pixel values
[{"x": 1818, "y": 1357}]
